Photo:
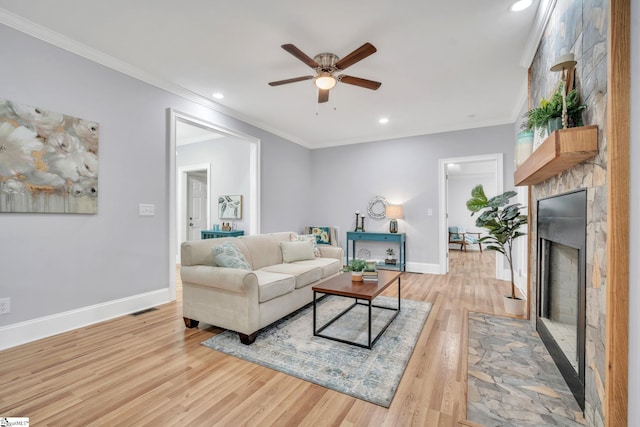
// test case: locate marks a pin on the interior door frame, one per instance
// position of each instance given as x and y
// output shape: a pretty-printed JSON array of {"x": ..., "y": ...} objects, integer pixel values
[
  {"x": 254, "y": 178},
  {"x": 182, "y": 196},
  {"x": 443, "y": 239}
]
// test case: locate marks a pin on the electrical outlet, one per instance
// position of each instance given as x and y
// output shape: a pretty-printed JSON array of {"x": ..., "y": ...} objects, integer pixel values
[{"x": 5, "y": 305}]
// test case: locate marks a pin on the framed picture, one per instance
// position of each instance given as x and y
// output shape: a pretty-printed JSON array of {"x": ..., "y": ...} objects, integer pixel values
[
  {"x": 230, "y": 207},
  {"x": 48, "y": 161}
]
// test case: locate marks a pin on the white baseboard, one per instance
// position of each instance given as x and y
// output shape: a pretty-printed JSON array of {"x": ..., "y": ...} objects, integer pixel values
[
  {"x": 421, "y": 267},
  {"x": 43, "y": 327}
]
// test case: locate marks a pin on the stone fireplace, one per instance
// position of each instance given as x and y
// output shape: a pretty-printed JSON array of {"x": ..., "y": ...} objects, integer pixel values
[
  {"x": 561, "y": 308},
  {"x": 579, "y": 28}
]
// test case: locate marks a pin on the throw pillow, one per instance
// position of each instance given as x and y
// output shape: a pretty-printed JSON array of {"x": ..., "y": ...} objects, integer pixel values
[
  {"x": 322, "y": 235},
  {"x": 296, "y": 251},
  {"x": 227, "y": 255},
  {"x": 307, "y": 238}
]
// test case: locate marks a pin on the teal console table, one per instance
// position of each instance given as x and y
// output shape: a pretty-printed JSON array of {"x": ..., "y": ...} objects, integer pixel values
[
  {"x": 399, "y": 239},
  {"x": 214, "y": 234}
]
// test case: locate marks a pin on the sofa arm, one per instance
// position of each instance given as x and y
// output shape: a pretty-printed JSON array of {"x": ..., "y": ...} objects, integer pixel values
[
  {"x": 228, "y": 279},
  {"x": 331, "y": 252}
]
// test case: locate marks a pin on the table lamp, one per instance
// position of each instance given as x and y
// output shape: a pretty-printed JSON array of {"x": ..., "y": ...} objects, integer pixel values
[{"x": 394, "y": 212}]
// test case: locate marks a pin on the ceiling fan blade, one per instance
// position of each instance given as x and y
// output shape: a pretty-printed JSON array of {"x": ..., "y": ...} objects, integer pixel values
[
  {"x": 357, "y": 81},
  {"x": 357, "y": 55},
  {"x": 323, "y": 95},
  {"x": 293, "y": 80},
  {"x": 300, "y": 55}
]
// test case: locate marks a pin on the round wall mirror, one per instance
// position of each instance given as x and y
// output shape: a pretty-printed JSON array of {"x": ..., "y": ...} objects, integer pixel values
[{"x": 377, "y": 207}]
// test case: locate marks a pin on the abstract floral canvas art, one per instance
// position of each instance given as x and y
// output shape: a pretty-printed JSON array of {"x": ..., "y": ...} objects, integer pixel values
[{"x": 48, "y": 161}]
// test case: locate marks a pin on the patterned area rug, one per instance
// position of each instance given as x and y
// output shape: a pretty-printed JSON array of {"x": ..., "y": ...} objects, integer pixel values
[
  {"x": 373, "y": 375},
  {"x": 512, "y": 380}
]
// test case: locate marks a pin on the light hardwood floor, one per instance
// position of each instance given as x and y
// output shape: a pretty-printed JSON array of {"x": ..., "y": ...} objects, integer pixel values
[{"x": 151, "y": 370}]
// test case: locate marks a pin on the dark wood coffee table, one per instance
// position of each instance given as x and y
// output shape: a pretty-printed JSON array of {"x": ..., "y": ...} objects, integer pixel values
[{"x": 341, "y": 285}]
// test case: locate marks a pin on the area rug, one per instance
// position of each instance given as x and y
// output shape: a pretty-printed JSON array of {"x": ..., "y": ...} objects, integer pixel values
[
  {"x": 511, "y": 378},
  {"x": 373, "y": 375}
]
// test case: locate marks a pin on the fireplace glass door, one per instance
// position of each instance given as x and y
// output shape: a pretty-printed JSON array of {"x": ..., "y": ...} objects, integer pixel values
[
  {"x": 560, "y": 284},
  {"x": 559, "y": 309}
]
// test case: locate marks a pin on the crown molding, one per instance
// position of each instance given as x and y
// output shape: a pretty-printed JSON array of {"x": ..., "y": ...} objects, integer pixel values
[
  {"x": 539, "y": 24},
  {"x": 63, "y": 42}
]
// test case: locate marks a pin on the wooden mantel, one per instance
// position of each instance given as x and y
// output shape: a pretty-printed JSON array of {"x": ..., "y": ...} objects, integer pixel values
[{"x": 562, "y": 150}]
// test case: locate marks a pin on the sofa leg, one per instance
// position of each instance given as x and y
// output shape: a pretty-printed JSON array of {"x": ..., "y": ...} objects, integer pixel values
[
  {"x": 190, "y": 323},
  {"x": 247, "y": 339}
]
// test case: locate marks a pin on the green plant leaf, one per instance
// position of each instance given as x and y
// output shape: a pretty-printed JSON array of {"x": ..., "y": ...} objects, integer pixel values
[{"x": 478, "y": 199}]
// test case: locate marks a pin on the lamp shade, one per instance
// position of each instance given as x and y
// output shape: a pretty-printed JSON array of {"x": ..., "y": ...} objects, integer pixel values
[{"x": 394, "y": 212}]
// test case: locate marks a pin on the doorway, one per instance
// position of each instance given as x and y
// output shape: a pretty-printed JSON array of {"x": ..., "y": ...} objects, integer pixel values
[
  {"x": 177, "y": 183},
  {"x": 197, "y": 199},
  {"x": 194, "y": 207},
  {"x": 462, "y": 172}
]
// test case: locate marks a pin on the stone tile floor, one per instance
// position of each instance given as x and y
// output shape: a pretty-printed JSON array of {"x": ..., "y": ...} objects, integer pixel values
[{"x": 512, "y": 380}]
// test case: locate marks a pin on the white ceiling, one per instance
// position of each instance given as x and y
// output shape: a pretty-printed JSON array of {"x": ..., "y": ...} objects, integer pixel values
[{"x": 444, "y": 65}]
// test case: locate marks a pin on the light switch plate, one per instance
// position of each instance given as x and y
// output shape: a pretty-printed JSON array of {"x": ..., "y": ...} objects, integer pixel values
[{"x": 146, "y": 209}]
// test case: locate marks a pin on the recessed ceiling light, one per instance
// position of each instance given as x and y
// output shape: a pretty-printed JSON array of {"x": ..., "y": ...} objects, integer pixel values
[
  {"x": 218, "y": 95},
  {"x": 383, "y": 121},
  {"x": 521, "y": 5}
]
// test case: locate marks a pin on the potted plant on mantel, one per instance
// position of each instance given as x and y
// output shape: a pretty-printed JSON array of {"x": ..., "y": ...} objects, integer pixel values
[
  {"x": 502, "y": 221},
  {"x": 548, "y": 115},
  {"x": 356, "y": 268}
]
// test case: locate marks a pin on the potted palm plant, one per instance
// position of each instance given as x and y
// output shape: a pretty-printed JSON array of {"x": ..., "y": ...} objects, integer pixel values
[{"x": 502, "y": 222}]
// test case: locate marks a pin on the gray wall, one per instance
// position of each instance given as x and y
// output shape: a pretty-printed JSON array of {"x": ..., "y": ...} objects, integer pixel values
[
  {"x": 405, "y": 171},
  {"x": 634, "y": 233},
  {"x": 55, "y": 263},
  {"x": 229, "y": 160}
]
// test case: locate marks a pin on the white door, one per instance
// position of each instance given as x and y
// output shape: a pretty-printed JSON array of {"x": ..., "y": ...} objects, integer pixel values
[{"x": 196, "y": 204}]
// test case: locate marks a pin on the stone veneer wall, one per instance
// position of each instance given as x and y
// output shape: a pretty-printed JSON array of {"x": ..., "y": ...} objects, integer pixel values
[{"x": 580, "y": 27}]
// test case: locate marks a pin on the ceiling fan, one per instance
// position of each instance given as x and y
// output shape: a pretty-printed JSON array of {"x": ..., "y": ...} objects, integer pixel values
[{"x": 326, "y": 65}]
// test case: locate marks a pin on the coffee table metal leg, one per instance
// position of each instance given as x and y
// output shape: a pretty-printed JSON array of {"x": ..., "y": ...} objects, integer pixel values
[
  {"x": 314, "y": 313},
  {"x": 369, "y": 324}
]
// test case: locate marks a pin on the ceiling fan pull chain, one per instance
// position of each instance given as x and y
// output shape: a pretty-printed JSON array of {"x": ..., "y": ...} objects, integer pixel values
[{"x": 333, "y": 98}]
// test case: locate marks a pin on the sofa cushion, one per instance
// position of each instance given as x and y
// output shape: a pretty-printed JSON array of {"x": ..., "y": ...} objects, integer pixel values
[
  {"x": 263, "y": 250},
  {"x": 272, "y": 284},
  {"x": 227, "y": 255},
  {"x": 321, "y": 234},
  {"x": 296, "y": 251},
  {"x": 329, "y": 266},
  {"x": 307, "y": 238},
  {"x": 304, "y": 274}
]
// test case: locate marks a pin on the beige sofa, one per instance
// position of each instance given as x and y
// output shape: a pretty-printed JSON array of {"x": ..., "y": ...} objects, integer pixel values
[{"x": 279, "y": 281}]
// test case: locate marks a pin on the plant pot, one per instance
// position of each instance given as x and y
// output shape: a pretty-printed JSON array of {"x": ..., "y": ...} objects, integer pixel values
[
  {"x": 514, "y": 306},
  {"x": 554, "y": 124},
  {"x": 356, "y": 276}
]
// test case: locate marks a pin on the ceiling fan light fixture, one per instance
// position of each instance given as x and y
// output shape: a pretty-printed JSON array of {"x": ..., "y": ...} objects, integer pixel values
[{"x": 325, "y": 81}]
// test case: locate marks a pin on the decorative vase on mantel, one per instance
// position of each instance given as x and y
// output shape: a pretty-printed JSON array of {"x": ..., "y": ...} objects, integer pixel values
[{"x": 524, "y": 146}]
